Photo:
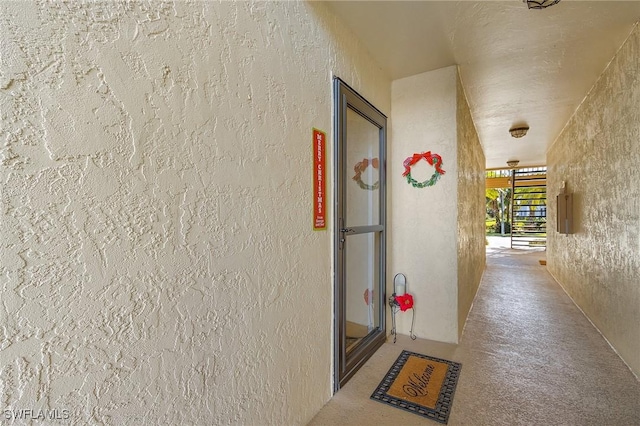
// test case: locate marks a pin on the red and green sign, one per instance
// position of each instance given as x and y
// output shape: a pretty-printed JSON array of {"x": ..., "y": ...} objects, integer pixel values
[{"x": 319, "y": 181}]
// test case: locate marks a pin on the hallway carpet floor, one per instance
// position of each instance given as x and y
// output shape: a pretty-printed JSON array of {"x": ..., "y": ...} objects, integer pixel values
[{"x": 529, "y": 357}]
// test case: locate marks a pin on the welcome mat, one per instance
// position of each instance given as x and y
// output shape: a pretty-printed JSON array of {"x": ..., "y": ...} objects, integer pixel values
[{"x": 420, "y": 384}]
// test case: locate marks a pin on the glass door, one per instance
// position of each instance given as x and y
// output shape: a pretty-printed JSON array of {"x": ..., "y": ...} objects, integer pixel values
[{"x": 360, "y": 230}]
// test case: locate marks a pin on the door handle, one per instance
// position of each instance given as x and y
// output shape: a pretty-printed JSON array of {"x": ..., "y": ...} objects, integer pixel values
[
  {"x": 342, "y": 238},
  {"x": 342, "y": 232}
]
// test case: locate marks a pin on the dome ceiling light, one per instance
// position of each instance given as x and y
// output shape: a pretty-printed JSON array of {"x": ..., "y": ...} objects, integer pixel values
[
  {"x": 518, "y": 132},
  {"x": 512, "y": 163},
  {"x": 540, "y": 4}
]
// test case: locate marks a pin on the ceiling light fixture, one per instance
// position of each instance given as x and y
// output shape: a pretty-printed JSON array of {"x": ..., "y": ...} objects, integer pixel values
[
  {"x": 540, "y": 4},
  {"x": 518, "y": 132},
  {"x": 512, "y": 163}
]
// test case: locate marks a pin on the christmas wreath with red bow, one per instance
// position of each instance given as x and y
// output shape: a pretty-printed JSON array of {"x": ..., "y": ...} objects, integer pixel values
[
  {"x": 360, "y": 167},
  {"x": 433, "y": 159}
]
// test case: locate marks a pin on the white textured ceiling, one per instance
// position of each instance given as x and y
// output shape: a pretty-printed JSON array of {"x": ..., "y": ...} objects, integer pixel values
[{"x": 518, "y": 66}]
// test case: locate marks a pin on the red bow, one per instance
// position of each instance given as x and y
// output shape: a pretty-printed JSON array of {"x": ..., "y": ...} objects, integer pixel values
[{"x": 432, "y": 159}]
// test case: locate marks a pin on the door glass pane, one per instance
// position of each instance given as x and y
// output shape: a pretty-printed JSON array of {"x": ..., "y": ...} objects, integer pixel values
[
  {"x": 363, "y": 167},
  {"x": 362, "y": 285}
]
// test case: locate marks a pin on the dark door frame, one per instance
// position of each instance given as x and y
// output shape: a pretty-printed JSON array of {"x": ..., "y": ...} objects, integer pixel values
[{"x": 346, "y": 365}]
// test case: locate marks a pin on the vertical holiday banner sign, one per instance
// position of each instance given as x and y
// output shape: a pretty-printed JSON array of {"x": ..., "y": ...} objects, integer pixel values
[{"x": 319, "y": 181}]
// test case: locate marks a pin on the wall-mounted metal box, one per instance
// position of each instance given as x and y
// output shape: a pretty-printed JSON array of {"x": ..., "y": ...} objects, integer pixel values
[{"x": 565, "y": 213}]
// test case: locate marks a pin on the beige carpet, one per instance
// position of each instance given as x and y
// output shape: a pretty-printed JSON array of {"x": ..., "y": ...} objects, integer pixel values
[{"x": 529, "y": 358}]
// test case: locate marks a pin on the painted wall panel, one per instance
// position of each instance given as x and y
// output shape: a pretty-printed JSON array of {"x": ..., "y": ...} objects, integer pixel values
[
  {"x": 423, "y": 237},
  {"x": 157, "y": 258},
  {"x": 597, "y": 155}
]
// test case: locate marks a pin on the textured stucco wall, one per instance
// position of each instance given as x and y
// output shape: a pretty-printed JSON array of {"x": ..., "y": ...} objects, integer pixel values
[
  {"x": 157, "y": 260},
  {"x": 598, "y": 156},
  {"x": 423, "y": 237},
  {"x": 471, "y": 208}
]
